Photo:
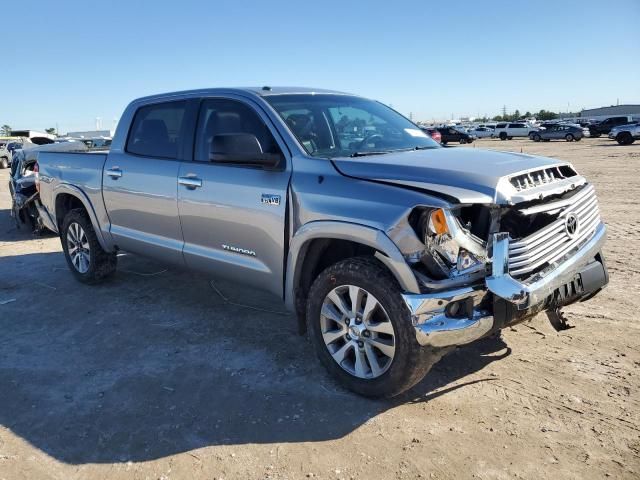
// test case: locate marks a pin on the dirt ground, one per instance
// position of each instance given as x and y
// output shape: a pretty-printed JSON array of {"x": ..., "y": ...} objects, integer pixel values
[{"x": 155, "y": 375}]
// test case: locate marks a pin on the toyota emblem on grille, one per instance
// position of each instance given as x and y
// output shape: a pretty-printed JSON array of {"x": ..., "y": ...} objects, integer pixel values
[{"x": 571, "y": 225}]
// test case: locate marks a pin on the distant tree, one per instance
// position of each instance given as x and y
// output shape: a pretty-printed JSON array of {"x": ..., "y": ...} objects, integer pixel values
[
  {"x": 5, "y": 130},
  {"x": 497, "y": 118},
  {"x": 546, "y": 115},
  {"x": 516, "y": 115},
  {"x": 527, "y": 114},
  {"x": 50, "y": 131}
]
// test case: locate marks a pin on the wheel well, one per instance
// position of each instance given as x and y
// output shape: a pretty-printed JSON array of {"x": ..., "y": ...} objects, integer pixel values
[
  {"x": 64, "y": 204},
  {"x": 320, "y": 254}
]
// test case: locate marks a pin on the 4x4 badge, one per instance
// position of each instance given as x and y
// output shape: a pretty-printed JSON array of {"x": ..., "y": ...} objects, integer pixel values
[{"x": 270, "y": 199}]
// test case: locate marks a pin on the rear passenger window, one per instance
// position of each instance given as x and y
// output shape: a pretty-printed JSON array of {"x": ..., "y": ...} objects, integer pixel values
[
  {"x": 157, "y": 130},
  {"x": 220, "y": 120}
]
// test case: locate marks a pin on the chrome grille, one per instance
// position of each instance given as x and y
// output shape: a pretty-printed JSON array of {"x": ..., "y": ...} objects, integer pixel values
[
  {"x": 553, "y": 241},
  {"x": 535, "y": 178}
]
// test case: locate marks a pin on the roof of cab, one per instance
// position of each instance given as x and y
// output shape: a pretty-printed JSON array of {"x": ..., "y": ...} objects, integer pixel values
[{"x": 257, "y": 91}]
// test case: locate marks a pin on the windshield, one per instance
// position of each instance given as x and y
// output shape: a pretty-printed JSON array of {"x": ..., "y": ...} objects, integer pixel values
[{"x": 343, "y": 125}]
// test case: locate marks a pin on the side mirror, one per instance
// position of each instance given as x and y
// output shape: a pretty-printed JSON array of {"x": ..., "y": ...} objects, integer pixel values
[{"x": 242, "y": 149}]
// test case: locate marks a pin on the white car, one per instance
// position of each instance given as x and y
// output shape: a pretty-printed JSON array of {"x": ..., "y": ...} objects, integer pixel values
[
  {"x": 507, "y": 131},
  {"x": 482, "y": 132}
]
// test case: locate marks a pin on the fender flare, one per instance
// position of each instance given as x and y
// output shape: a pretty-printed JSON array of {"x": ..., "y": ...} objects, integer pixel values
[
  {"x": 66, "y": 188},
  {"x": 386, "y": 252}
]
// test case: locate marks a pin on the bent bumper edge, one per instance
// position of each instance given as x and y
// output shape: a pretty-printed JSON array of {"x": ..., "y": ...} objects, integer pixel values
[{"x": 436, "y": 328}]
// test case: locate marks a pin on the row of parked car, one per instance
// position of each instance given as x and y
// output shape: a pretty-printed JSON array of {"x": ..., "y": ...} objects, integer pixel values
[{"x": 624, "y": 129}]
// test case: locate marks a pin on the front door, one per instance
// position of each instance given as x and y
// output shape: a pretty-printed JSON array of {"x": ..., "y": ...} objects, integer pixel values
[
  {"x": 233, "y": 216},
  {"x": 139, "y": 183}
]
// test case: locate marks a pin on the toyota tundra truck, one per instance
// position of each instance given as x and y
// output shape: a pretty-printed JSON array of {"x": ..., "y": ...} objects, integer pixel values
[{"x": 389, "y": 249}]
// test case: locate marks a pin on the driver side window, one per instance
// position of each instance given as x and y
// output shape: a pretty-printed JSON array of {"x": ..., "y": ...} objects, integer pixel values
[{"x": 220, "y": 119}]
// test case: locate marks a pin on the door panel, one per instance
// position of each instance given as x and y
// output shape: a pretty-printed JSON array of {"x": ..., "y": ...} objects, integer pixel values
[
  {"x": 234, "y": 217},
  {"x": 140, "y": 183},
  {"x": 228, "y": 231},
  {"x": 143, "y": 206}
]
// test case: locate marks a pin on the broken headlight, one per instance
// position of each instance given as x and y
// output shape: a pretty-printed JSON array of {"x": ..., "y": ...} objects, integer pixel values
[{"x": 450, "y": 249}]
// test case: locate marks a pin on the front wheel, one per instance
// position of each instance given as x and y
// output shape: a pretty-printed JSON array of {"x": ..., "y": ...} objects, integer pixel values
[
  {"x": 569, "y": 137},
  {"x": 86, "y": 258},
  {"x": 624, "y": 138},
  {"x": 4, "y": 162},
  {"x": 361, "y": 330},
  {"x": 536, "y": 138}
]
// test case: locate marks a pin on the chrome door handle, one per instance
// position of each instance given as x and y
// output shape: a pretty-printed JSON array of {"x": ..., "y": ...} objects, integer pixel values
[
  {"x": 114, "y": 172},
  {"x": 190, "y": 182}
]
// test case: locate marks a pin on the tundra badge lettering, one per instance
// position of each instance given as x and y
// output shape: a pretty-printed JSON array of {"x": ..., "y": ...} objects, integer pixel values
[
  {"x": 243, "y": 251},
  {"x": 270, "y": 199}
]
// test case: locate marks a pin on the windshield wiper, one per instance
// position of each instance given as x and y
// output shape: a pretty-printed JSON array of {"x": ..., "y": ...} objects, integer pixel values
[
  {"x": 364, "y": 154},
  {"x": 424, "y": 147}
]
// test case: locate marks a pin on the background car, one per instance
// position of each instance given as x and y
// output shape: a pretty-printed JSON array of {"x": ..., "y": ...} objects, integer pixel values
[
  {"x": 433, "y": 133},
  {"x": 452, "y": 134},
  {"x": 626, "y": 134},
  {"x": 605, "y": 126},
  {"x": 507, "y": 131},
  {"x": 558, "y": 132},
  {"x": 482, "y": 132}
]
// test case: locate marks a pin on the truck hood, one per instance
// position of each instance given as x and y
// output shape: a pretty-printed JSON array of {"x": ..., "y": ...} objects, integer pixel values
[{"x": 468, "y": 175}]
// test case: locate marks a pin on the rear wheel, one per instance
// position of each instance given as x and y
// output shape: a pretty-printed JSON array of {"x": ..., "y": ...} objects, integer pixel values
[
  {"x": 536, "y": 138},
  {"x": 361, "y": 329},
  {"x": 594, "y": 135},
  {"x": 463, "y": 141},
  {"x": 86, "y": 258},
  {"x": 503, "y": 136},
  {"x": 569, "y": 138},
  {"x": 510, "y": 138}
]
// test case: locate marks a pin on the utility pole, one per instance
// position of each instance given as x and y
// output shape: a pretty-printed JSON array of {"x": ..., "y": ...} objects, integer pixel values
[{"x": 504, "y": 111}]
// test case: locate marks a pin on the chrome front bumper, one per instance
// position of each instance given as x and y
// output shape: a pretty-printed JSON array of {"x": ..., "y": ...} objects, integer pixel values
[{"x": 430, "y": 312}]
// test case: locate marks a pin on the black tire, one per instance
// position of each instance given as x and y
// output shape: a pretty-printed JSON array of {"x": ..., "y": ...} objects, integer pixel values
[
  {"x": 577, "y": 139},
  {"x": 462, "y": 141},
  {"x": 595, "y": 135},
  {"x": 443, "y": 142},
  {"x": 569, "y": 137},
  {"x": 624, "y": 138},
  {"x": 509, "y": 138},
  {"x": 536, "y": 138},
  {"x": 410, "y": 363},
  {"x": 4, "y": 162},
  {"x": 503, "y": 136},
  {"x": 101, "y": 264}
]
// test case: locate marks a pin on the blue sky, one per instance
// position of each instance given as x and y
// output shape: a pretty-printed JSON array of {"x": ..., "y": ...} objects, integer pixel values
[{"x": 72, "y": 61}]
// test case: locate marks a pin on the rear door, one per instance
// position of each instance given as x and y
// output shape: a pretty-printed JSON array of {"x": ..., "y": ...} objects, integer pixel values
[
  {"x": 140, "y": 183},
  {"x": 234, "y": 216}
]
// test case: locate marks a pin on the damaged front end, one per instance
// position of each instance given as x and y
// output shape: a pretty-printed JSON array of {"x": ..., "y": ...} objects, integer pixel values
[{"x": 484, "y": 267}]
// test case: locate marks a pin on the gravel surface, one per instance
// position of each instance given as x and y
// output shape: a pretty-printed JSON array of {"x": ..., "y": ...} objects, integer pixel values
[{"x": 155, "y": 375}]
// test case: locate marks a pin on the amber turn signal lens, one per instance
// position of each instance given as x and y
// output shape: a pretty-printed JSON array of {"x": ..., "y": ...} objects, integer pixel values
[{"x": 439, "y": 222}]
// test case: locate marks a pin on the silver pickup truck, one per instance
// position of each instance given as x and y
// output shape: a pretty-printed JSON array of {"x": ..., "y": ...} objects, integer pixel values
[{"x": 390, "y": 249}]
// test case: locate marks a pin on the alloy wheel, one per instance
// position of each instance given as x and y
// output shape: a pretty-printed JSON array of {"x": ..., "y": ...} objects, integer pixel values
[
  {"x": 357, "y": 331},
  {"x": 78, "y": 247}
]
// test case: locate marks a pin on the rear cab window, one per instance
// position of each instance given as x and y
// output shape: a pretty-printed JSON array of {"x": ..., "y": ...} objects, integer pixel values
[{"x": 158, "y": 130}]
